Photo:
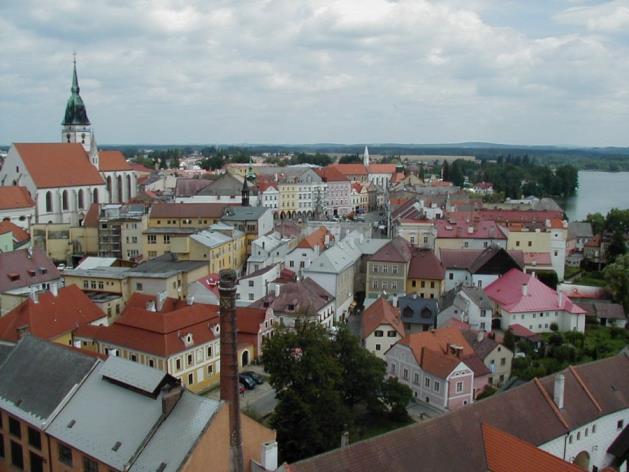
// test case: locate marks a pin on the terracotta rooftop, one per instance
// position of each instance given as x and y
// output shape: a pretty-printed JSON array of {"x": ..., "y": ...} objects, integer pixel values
[
  {"x": 58, "y": 164},
  {"x": 507, "y": 453},
  {"x": 350, "y": 169},
  {"x": 13, "y": 196},
  {"x": 140, "y": 168},
  {"x": 396, "y": 250},
  {"x": 425, "y": 265},
  {"x": 19, "y": 235},
  {"x": 301, "y": 297},
  {"x": 52, "y": 316},
  {"x": 454, "y": 441},
  {"x": 484, "y": 229},
  {"x": 316, "y": 238},
  {"x": 112, "y": 160},
  {"x": 474, "y": 260},
  {"x": 378, "y": 313},
  {"x": 381, "y": 168},
  {"x": 510, "y": 216},
  {"x": 331, "y": 174},
  {"x": 507, "y": 291}
]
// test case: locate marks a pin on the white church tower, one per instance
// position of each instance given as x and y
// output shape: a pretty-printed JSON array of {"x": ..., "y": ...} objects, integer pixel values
[
  {"x": 366, "y": 157},
  {"x": 75, "y": 127}
]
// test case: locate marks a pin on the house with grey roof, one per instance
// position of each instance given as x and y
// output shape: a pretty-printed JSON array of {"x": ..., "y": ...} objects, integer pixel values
[
  {"x": 496, "y": 357},
  {"x": 579, "y": 234},
  {"x": 417, "y": 313},
  {"x": 469, "y": 305},
  {"x": 66, "y": 410}
]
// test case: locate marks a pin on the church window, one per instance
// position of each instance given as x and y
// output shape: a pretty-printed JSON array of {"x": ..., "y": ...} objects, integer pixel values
[
  {"x": 68, "y": 137},
  {"x": 95, "y": 199},
  {"x": 81, "y": 204},
  {"x": 83, "y": 138},
  {"x": 48, "y": 202},
  {"x": 64, "y": 200}
]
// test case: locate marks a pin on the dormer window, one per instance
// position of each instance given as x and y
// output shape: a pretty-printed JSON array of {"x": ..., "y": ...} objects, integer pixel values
[
  {"x": 291, "y": 307},
  {"x": 13, "y": 276}
]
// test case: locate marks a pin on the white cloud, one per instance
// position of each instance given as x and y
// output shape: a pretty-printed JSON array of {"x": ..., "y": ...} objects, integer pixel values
[
  {"x": 286, "y": 71},
  {"x": 607, "y": 17}
]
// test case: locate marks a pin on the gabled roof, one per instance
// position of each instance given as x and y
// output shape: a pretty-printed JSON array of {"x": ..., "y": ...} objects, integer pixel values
[
  {"x": 37, "y": 376},
  {"x": 611, "y": 311},
  {"x": 350, "y": 169},
  {"x": 477, "y": 295},
  {"x": 112, "y": 160},
  {"x": 21, "y": 268},
  {"x": 249, "y": 319},
  {"x": 579, "y": 229},
  {"x": 484, "y": 229},
  {"x": 437, "y": 341},
  {"x": 13, "y": 196},
  {"x": 418, "y": 310},
  {"x": 136, "y": 167},
  {"x": 58, "y": 164},
  {"x": 241, "y": 213},
  {"x": 331, "y": 174},
  {"x": 507, "y": 291},
  {"x": 18, "y": 234},
  {"x": 316, "y": 238},
  {"x": 506, "y": 453},
  {"x": 483, "y": 345},
  {"x": 481, "y": 260},
  {"x": 380, "y": 312},
  {"x": 396, "y": 250},
  {"x": 52, "y": 316},
  {"x": 454, "y": 441},
  {"x": 381, "y": 168},
  {"x": 425, "y": 265},
  {"x": 187, "y": 187},
  {"x": 301, "y": 297}
]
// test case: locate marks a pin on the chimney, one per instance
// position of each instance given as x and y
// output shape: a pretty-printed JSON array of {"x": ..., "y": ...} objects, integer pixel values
[
  {"x": 276, "y": 289},
  {"x": 229, "y": 364},
  {"x": 480, "y": 336},
  {"x": 34, "y": 295},
  {"x": 326, "y": 239},
  {"x": 54, "y": 289},
  {"x": 160, "y": 299},
  {"x": 345, "y": 439},
  {"x": 268, "y": 456},
  {"x": 150, "y": 306},
  {"x": 525, "y": 290},
  {"x": 561, "y": 299},
  {"x": 170, "y": 396},
  {"x": 189, "y": 299},
  {"x": 558, "y": 390}
]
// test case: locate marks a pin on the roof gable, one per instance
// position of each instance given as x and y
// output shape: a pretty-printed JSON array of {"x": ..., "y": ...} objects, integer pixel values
[
  {"x": 112, "y": 160},
  {"x": 378, "y": 313},
  {"x": 13, "y": 196}
]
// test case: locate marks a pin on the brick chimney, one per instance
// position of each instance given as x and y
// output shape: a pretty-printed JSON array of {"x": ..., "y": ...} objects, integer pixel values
[{"x": 229, "y": 364}]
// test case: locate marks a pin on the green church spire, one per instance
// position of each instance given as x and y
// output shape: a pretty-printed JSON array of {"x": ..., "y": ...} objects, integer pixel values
[{"x": 75, "y": 108}]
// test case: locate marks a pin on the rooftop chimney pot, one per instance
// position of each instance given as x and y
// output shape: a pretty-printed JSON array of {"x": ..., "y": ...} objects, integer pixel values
[{"x": 558, "y": 390}]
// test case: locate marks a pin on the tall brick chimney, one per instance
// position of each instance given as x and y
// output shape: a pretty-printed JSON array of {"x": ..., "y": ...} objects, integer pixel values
[{"x": 229, "y": 364}]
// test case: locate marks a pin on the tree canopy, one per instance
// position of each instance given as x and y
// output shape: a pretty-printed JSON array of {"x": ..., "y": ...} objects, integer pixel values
[
  {"x": 320, "y": 379},
  {"x": 617, "y": 276}
]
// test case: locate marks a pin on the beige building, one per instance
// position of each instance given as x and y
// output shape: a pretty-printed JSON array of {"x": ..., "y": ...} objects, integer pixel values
[
  {"x": 381, "y": 327},
  {"x": 387, "y": 269}
]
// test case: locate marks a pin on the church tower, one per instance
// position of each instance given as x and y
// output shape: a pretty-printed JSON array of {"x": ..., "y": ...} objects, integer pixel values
[
  {"x": 75, "y": 127},
  {"x": 366, "y": 157}
]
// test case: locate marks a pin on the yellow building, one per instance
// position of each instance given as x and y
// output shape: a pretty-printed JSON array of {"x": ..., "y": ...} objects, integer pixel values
[
  {"x": 426, "y": 275},
  {"x": 62, "y": 241},
  {"x": 223, "y": 247}
]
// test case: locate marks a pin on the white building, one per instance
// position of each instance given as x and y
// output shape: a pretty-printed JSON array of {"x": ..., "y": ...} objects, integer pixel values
[{"x": 255, "y": 285}]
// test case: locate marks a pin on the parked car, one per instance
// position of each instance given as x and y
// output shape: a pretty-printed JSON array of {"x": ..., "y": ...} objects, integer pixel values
[
  {"x": 257, "y": 378},
  {"x": 247, "y": 382}
]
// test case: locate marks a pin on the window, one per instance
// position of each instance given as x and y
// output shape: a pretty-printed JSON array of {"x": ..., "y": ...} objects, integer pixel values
[
  {"x": 374, "y": 284},
  {"x": 190, "y": 379},
  {"x": 65, "y": 454},
  {"x": 385, "y": 285},
  {"x": 166, "y": 238},
  {"x": 432, "y": 285},
  {"x": 436, "y": 385},
  {"x": 138, "y": 286},
  {"x": 391, "y": 334},
  {"x": 503, "y": 361},
  {"x": 189, "y": 359},
  {"x": 459, "y": 387},
  {"x": 152, "y": 239},
  {"x": 405, "y": 374},
  {"x": 89, "y": 465},
  {"x": 385, "y": 269},
  {"x": 64, "y": 200},
  {"x": 48, "y": 202},
  {"x": 377, "y": 347},
  {"x": 178, "y": 364},
  {"x": 151, "y": 363},
  {"x": 14, "y": 427},
  {"x": 467, "y": 244},
  {"x": 450, "y": 276},
  {"x": 209, "y": 351},
  {"x": 86, "y": 284},
  {"x": 620, "y": 424},
  {"x": 378, "y": 333},
  {"x": 251, "y": 283},
  {"x": 414, "y": 283},
  {"x": 134, "y": 357},
  {"x": 210, "y": 369},
  {"x": 394, "y": 269},
  {"x": 570, "y": 439},
  {"x": 423, "y": 284},
  {"x": 37, "y": 462},
  {"x": 593, "y": 428},
  {"x": 17, "y": 458},
  {"x": 392, "y": 369},
  {"x": 251, "y": 297},
  {"x": 517, "y": 243},
  {"x": 34, "y": 438},
  {"x": 416, "y": 378},
  {"x": 292, "y": 264}
]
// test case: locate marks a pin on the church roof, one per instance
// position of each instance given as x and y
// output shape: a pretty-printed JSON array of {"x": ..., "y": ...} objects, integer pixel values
[
  {"x": 75, "y": 108},
  {"x": 112, "y": 160},
  {"x": 52, "y": 165}
]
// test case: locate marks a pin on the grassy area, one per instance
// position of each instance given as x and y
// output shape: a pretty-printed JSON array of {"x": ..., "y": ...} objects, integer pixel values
[
  {"x": 570, "y": 272},
  {"x": 370, "y": 425},
  {"x": 563, "y": 349}
]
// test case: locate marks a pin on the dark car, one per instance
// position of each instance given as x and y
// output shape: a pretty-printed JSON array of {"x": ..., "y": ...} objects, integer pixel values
[
  {"x": 257, "y": 378},
  {"x": 247, "y": 381}
]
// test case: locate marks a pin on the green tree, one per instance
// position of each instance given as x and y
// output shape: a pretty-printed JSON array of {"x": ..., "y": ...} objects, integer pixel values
[
  {"x": 350, "y": 159},
  {"x": 396, "y": 396},
  {"x": 617, "y": 246},
  {"x": 212, "y": 163},
  {"x": 597, "y": 221},
  {"x": 617, "y": 276}
]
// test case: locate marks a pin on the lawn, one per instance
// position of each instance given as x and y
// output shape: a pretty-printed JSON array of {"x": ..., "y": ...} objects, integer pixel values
[
  {"x": 571, "y": 271},
  {"x": 594, "y": 279},
  {"x": 563, "y": 349},
  {"x": 370, "y": 425}
]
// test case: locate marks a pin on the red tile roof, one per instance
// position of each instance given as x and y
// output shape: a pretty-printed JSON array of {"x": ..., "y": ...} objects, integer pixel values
[
  {"x": 378, "y": 313},
  {"x": 316, "y": 238},
  {"x": 331, "y": 174},
  {"x": 249, "y": 320},
  {"x": 158, "y": 333},
  {"x": 52, "y": 316},
  {"x": 510, "y": 216},
  {"x": 91, "y": 217},
  {"x": 425, "y": 265},
  {"x": 18, "y": 269},
  {"x": 13, "y": 196},
  {"x": 506, "y": 453},
  {"x": 112, "y": 160},
  {"x": 140, "y": 168},
  {"x": 537, "y": 258},
  {"x": 58, "y": 164},
  {"x": 19, "y": 235},
  {"x": 484, "y": 229},
  {"x": 507, "y": 292},
  {"x": 381, "y": 168},
  {"x": 356, "y": 186},
  {"x": 396, "y": 250},
  {"x": 350, "y": 169}
]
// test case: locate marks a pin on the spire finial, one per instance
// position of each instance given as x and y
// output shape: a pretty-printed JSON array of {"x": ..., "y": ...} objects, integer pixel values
[{"x": 75, "y": 80}]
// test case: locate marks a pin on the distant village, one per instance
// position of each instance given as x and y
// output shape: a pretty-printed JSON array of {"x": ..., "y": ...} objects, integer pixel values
[{"x": 504, "y": 323}]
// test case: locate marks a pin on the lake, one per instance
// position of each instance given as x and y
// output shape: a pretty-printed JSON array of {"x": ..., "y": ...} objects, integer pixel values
[{"x": 598, "y": 192}]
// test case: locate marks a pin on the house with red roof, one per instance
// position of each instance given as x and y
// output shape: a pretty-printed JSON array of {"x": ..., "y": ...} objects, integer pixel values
[
  {"x": 522, "y": 299},
  {"x": 353, "y": 172},
  {"x": 380, "y": 327},
  {"x": 468, "y": 234},
  {"x": 338, "y": 193},
  {"x": 425, "y": 274},
  {"x": 359, "y": 197},
  {"x": 51, "y": 315},
  {"x": 17, "y": 205},
  {"x": 387, "y": 269},
  {"x": 65, "y": 178},
  {"x": 12, "y": 236},
  {"x": 308, "y": 249},
  {"x": 439, "y": 366}
]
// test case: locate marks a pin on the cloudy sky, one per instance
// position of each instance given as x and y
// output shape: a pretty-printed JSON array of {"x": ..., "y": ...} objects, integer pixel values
[{"x": 308, "y": 71}]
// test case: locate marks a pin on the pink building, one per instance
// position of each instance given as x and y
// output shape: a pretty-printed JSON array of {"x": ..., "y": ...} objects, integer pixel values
[
  {"x": 339, "y": 194},
  {"x": 439, "y": 366}
]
